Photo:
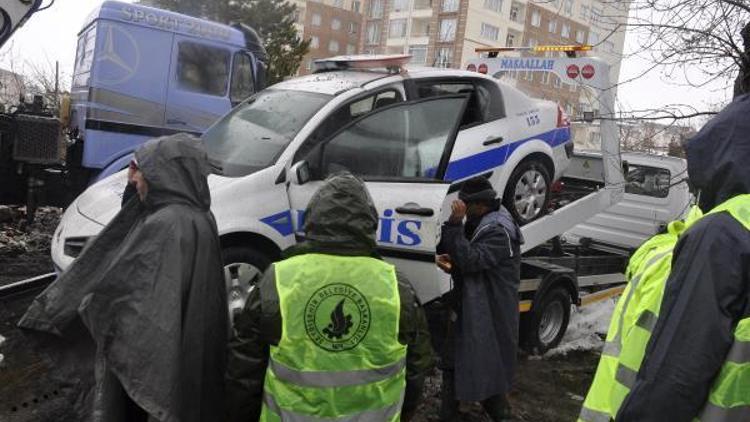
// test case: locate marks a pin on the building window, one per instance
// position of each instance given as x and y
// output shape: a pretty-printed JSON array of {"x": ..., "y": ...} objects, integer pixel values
[
  {"x": 552, "y": 26},
  {"x": 444, "y": 57},
  {"x": 400, "y": 5},
  {"x": 556, "y": 81},
  {"x": 565, "y": 32},
  {"x": 489, "y": 32},
  {"x": 536, "y": 18},
  {"x": 593, "y": 38},
  {"x": 314, "y": 42},
  {"x": 373, "y": 33},
  {"x": 397, "y": 28},
  {"x": 596, "y": 16},
  {"x": 338, "y": 3},
  {"x": 448, "y": 29},
  {"x": 376, "y": 9},
  {"x": 356, "y": 5},
  {"x": 533, "y": 42},
  {"x": 316, "y": 19},
  {"x": 450, "y": 5},
  {"x": 418, "y": 54},
  {"x": 510, "y": 40},
  {"x": 584, "y": 13},
  {"x": 353, "y": 27},
  {"x": 580, "y": 37},
  {"x": 545, "y": 78},
  {"x": 333, "y": 46},
  {"x": 515, "y": 12},
  {"x": 336, "y": 24},
  {"x": 494, "y": 5},
  {"x": 351, "y": 49},
  {"x": 569, "y": 7}
]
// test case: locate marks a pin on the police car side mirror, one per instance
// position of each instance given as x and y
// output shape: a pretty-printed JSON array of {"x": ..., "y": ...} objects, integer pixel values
[{"x": 300, "y": 173}]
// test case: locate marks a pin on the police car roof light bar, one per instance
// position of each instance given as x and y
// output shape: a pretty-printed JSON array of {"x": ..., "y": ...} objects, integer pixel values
[{"x": 392, "y": 63}]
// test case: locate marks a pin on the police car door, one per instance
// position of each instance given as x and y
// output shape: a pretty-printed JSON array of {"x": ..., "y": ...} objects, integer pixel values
[{"x": 401, "y": 151}]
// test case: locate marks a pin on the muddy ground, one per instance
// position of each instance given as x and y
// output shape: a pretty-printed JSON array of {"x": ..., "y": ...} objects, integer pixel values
[{"x": 546, "y": 389}]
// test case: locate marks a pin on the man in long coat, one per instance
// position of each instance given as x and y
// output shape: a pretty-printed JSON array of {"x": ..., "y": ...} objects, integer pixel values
[{"x": 484, "y": 257}]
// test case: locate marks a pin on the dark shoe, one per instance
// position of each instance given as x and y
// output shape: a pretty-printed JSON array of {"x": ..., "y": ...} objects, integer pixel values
[{"x": 498, "y": 408}]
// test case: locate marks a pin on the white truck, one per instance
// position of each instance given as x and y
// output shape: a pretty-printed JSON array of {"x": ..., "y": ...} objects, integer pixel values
[{"x": 414, "y": 135}]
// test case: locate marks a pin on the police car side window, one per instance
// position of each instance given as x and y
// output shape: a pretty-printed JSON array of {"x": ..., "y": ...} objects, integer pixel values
[
  {"x": 485, "y": 101},
  {"x": 344, "y": 115},
  {"x": 407, "y": 141},
  {"x": 202, "y": 69}
]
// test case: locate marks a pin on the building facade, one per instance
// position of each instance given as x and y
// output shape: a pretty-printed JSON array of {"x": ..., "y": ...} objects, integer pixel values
[{"x": 332, "y": 26}]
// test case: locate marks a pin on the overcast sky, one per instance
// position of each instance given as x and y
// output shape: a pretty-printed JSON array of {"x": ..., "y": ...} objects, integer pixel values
[{"x": 50, "y": 35}]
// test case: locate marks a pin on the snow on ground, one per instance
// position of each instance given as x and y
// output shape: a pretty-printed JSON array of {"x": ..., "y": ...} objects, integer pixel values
[{"x": 587, "y": 327}]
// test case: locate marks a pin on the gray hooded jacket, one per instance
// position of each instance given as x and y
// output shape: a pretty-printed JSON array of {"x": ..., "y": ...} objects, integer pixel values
[{"x": 150, "y": 292}]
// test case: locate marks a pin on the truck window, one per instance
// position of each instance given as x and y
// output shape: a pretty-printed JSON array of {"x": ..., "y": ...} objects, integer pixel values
[
  {"x": 202, "y": 68},
  {"x": 346, "y": 114},
  {"x": 399, "y": 142},
  {"x": 648, "y": 181},
  {"x": 84, "y": 57},
  {"x": 243, "y": 85},
  {"x": 485, "y": 100}
]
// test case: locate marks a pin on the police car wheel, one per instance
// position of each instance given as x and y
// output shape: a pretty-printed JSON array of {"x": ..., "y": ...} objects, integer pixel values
[
  {"x": 528, "y": 190},
  {"x": 544, "y": 326},
  {"x": 243, "y": 268}
]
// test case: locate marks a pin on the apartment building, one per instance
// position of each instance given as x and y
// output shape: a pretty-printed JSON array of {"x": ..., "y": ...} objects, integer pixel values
[{"x": 332, "y": 26}]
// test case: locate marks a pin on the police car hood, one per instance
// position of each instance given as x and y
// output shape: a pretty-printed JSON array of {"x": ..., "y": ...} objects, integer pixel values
[
  {"x": 101, "y": 201},
  {"x": 719, "y": 154}
]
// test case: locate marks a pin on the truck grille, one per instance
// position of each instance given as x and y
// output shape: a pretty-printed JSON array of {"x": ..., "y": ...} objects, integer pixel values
[{"x": 39, "y": 140}]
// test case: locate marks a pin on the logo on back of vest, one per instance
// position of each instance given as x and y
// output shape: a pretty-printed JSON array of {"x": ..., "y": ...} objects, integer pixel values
[{"x": 337, "y": 317}]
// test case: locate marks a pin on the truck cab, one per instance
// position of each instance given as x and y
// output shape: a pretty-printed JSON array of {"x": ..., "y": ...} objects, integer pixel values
[{"x": 142, "y": 72}]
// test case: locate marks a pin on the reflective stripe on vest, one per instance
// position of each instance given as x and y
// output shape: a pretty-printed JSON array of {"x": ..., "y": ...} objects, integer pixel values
[
  {"x": 633, "y": 320},
  {"x": 729, "y": 399},
  {"x": 338, "y": 358}
]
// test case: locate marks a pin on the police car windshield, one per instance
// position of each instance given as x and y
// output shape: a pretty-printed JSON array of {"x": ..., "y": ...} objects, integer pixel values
[{"x": 253, "y": 135}]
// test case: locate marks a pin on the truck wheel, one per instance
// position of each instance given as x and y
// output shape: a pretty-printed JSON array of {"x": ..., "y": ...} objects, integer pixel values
[
  {"x": 243, "y": 268},
  {"x": 545, "y": 325},
  {"x": 527, "y": 192}
]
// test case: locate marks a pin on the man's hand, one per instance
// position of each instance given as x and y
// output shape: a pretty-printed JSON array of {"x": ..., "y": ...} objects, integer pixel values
[
  {"x": 458, "y": 211},
  {"x": 444, "y": 262}
]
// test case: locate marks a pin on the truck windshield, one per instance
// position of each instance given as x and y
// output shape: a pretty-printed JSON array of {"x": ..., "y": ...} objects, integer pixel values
[{"x": 253, "y": 135}]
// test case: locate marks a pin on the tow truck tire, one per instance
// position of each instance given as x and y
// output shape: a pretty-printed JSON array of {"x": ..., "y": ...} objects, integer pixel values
[
  {"x": 544, "y": 326},
  {"x": 243, "y": 268},
  {"x": 527, "y": 193}
]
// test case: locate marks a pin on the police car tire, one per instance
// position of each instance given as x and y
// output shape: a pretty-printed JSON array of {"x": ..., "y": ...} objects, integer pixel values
[
  {"x": 510, "y": 187},
  {"x": 247, "y": 255},
  {"x": 531, "y": 322}
]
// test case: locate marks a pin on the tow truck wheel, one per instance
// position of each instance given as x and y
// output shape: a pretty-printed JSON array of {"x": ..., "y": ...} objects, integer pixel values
[
  {"x": 527, "y": 192},
  {"x": 243, "y": 268},
  {"x": 544, "y": 326}
]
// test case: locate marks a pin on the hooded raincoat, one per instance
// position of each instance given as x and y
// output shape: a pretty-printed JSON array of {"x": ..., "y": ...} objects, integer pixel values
[
  {"x": 487, "y": 271},
  {"x": 340, "y": 220},
  {"x": 150, "y": 292},
  {"x": 708, "y": 289}
]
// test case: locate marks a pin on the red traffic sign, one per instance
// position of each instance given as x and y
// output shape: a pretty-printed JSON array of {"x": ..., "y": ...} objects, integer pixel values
[
  {"x": 573, "y": 71},
  {"x": 483, "y": 68},
  {"x": 587, "y": 71},
  {"x": 471, "y": 68}
]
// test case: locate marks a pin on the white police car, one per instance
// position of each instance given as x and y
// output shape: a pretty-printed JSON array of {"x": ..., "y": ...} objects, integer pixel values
[{"x": 413, "y": 135}]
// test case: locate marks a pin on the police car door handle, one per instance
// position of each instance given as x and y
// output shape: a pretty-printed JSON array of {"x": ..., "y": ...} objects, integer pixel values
[
  {"x": 424, "y": 212},
  {"x": 491, "y": 140}
]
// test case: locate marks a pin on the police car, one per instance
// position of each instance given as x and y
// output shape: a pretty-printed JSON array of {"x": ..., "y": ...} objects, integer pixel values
[{"x": 413, "y": 134}]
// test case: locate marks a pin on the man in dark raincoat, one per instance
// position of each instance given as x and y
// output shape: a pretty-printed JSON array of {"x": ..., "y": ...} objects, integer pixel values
[
  {"x": 341, "y": 221},
  {"x": 708, "y": 289},
  {"x": 484, "y": 258},
  {"x": 150, "y": 291}
]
